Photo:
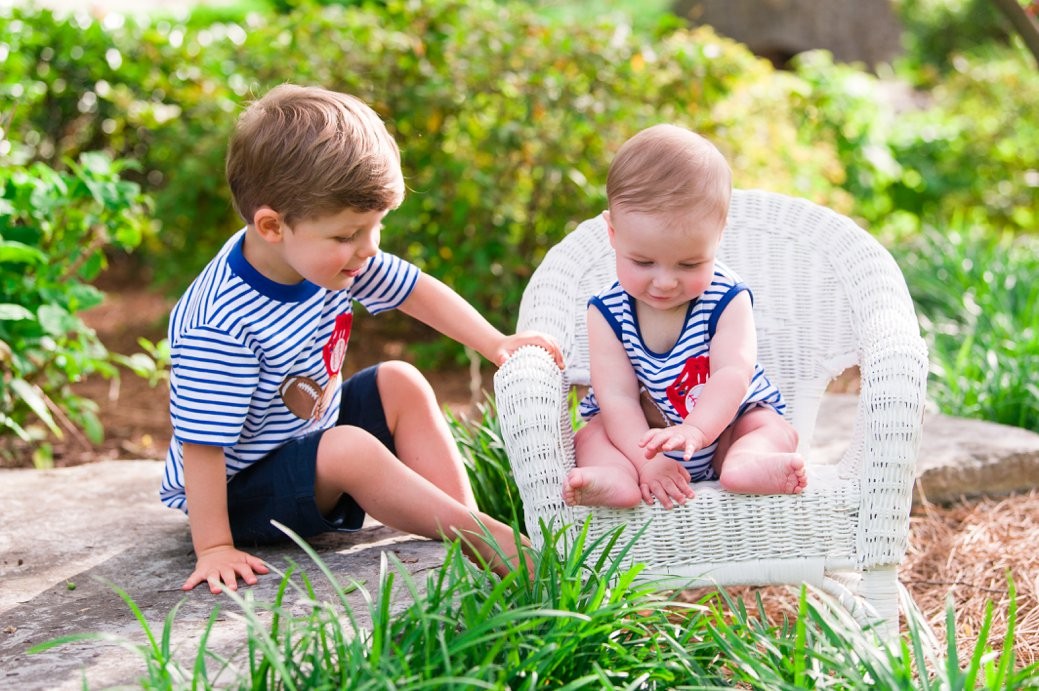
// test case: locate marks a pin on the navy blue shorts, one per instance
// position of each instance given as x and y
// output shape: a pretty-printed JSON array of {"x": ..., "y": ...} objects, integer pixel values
[{"x": 280, "y": 486}]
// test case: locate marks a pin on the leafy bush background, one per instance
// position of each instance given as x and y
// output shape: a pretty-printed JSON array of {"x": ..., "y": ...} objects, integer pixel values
[
  {"x": 507, "y": 121},
  {"x": 54, "y": 229}
]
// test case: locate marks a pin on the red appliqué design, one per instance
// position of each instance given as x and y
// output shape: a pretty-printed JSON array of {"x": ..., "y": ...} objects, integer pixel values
[
  {"x": 685, "y": 389},
  {"x": 334, "y": 351}
]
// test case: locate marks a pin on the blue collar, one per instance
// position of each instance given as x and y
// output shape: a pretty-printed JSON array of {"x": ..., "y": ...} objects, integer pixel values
[{"x": 296, "y": 292}]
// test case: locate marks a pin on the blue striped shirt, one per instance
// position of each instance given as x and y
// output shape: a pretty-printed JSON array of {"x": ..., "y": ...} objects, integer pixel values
[
  {"x": 659, "y": 372},
  {"x": 236, "y": 337}
]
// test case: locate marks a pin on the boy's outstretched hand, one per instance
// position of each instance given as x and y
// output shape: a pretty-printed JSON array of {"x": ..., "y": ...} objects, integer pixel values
[
  {"x": 510, "y": 343},
  {"x": 222, "y": 565}
]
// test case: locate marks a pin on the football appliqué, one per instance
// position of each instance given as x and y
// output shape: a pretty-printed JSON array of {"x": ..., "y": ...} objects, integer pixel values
[{"x": 301, "y": 396}]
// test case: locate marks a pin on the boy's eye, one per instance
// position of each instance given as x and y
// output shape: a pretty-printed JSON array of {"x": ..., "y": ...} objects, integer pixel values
[
  {"x": 641, "y": 262},
  {"x": 688, "y": 266}
]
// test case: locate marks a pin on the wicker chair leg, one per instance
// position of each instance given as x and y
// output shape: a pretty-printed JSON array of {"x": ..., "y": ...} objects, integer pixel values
[{"x": 879, "y": 589}]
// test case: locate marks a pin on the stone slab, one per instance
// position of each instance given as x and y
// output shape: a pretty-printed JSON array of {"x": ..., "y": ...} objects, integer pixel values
[
  {"x": 959, "y": 458},
  {"x": 67, "y": 535}
]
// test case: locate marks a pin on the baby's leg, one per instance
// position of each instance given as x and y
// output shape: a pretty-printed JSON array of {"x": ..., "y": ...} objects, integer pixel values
[
  {"x": 352, "y": 461},
  {"x": 758, "y": 455},
  {"x": 420, "y": 432},
  {"x": 604, "y": 476}
]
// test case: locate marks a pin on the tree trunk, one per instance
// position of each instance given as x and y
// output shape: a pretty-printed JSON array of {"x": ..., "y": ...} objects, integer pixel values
[{"x": 1023, "y": 24}]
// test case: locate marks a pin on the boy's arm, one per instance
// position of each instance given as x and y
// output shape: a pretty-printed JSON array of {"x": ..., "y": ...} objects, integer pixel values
[
  {"x": 734, "y": 351},
  {"x": 205, "y": 484},
  {"x": 435, "y": 304}
]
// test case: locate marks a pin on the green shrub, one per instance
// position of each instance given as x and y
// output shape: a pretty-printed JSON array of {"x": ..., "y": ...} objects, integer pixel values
[
  {"x": 507, "y": 121},
  {"x": 55, "y": 226},
  {"x": 163, "y": 95},
  {"x": 973, "y": 154},
  {"x": 977, "y": 298},
  {"x": 936, "y": 31}
]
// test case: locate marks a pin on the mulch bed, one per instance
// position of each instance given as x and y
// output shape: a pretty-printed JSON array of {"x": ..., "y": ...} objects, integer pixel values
[
  {"x": 961, "y": 553},
  {"x": 966, "y": 552}
]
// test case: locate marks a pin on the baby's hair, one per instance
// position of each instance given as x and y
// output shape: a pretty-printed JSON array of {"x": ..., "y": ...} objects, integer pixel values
[
  {"x": 668, "y": 170},
  {"x": 307, "y": 152}
]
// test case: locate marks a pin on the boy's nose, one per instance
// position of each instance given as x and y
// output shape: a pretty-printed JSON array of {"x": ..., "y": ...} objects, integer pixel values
[{"x": 369, "y": 248}]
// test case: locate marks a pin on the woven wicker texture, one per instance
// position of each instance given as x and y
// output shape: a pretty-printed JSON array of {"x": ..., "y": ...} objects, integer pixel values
[{"x": 827, "y": 296}]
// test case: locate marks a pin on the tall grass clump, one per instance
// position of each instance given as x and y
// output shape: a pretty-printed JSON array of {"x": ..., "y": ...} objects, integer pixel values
[
  {"x": 977, "y": 298},
  {"x": 487, "y": 463},
  {"x": 580, "y": 620}
]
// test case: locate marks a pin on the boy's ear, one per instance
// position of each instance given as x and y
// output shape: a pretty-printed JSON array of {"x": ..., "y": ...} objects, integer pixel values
[{"x": 268, "y": 224}]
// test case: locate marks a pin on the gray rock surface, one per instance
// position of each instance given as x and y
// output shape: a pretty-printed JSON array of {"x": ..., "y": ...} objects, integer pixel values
[
  {"x": 67, "y": 535},
  {"x": 958, "y": 458}
]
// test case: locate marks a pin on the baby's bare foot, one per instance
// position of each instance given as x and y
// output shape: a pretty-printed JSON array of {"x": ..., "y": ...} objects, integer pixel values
[
  {"x": 768, "y": 473},
  {"x": 599, "y": 487}
]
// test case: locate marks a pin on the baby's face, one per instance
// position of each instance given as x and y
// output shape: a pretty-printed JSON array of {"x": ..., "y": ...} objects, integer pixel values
[{"x": 661, "y": 263}]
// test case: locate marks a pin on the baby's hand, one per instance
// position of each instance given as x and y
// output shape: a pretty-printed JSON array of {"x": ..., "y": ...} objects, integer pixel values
[
  {"x": 684, "y": 438},
  {"x": 511, "y": 343},
  {"x": 666, "y": 480}
]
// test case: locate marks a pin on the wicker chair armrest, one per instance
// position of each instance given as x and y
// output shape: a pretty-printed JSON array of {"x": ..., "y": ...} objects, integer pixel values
[
  {"x": 531, "y": 394},
  {"x": 885, "y": 442}
]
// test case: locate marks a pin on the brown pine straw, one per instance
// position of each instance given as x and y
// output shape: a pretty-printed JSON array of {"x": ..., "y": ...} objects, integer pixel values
[{"x": 963, "y": 551}]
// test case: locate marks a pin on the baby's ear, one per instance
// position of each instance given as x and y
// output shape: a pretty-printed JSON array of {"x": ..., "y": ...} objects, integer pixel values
[
  {"x": 268, "y": 224},
  {"x": 609, "y": 225}
]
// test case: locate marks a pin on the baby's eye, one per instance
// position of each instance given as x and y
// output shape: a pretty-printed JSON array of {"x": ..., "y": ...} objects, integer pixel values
[
  {"x": 688, "y": 266},
  {"x": 641, "y": 262}
]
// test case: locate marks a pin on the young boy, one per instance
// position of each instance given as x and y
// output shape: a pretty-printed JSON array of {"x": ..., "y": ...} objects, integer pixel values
[
  {"x": 677, "y": 394},
  {"x": 264, "y": 427}
]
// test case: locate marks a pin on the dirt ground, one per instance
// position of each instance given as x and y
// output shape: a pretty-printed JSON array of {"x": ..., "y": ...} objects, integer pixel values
[{"x": 964, "y": 552}]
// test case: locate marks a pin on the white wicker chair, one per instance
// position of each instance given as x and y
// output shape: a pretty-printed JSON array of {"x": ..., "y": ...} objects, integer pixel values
[{"x": 826, "y": 296}]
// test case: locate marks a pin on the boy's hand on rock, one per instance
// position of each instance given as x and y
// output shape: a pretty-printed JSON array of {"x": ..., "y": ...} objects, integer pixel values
[
  {"x": 511, "y": 343},
  {"x": 221, "y": 566}
]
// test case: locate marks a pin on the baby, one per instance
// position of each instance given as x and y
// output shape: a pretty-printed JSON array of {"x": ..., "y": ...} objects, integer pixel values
[{"x": 677, "y": 394}]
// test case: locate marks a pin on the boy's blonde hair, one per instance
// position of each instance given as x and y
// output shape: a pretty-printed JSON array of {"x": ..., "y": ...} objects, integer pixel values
[
  {"x": 307, "y": 152},
  {"x": 669, "y": 171}
]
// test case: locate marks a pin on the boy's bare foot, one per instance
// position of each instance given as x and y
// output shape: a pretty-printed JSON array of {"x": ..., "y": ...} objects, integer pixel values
[
  {"x": 496, "y": 546},
  {"x": 600, "y": 487},
  {"x": 764, "y": 473}
]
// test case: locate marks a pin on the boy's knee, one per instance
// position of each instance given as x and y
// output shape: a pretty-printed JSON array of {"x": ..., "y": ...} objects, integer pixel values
[
  {"x": 397, "y": 375},
  {"x": 357, "y": 439}
]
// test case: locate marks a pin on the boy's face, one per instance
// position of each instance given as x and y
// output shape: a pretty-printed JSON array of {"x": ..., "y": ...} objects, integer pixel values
[
  {"x": 330, "y": 251},
  {"x": 663, "y": 264}
]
